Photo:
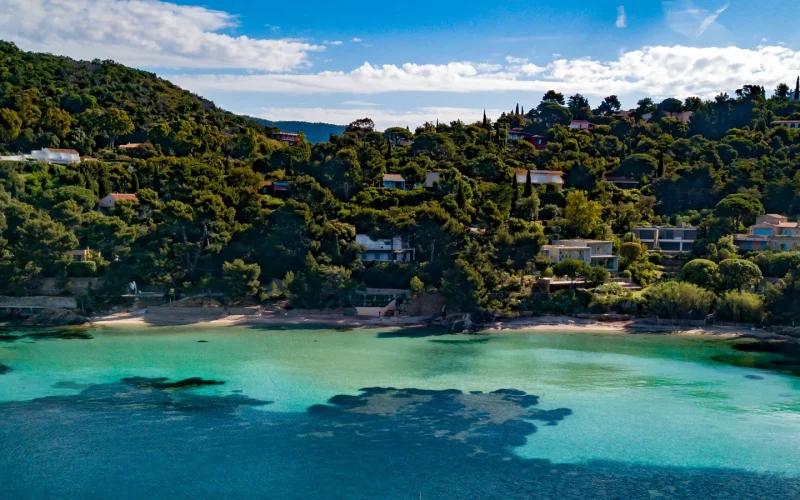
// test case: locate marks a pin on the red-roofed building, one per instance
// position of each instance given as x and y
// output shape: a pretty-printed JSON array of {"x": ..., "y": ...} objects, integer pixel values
[
  {"x": 107, "y": 202},
  {"x": 538, "y": 141}
]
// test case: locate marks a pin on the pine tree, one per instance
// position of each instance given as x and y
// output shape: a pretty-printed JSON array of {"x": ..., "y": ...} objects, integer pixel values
[
  {"x": 103, "y": 183},
  {"x": 528, "y": 186}
]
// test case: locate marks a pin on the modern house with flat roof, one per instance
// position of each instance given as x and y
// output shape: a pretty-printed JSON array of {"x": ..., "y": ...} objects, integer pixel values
[
  {"x": 48, "y": 155},
  {"x": 396, "y": 249},
  {"x": 541, "y": 177},
  {"x": 624, "y": 182},
  {"x": 669, "y": 240},
  {"x": 770, "y": 232},
  {"x": 394, "y": 181},
  {"x": 595, "y": 252},
  {"x": 581, "y": 124},
  {"x": 786, "y": 123},
  {"x": 286, "y": 137}
]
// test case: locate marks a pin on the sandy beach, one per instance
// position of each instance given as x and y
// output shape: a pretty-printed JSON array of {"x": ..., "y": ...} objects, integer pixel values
[{"x": 543, "y": 323}]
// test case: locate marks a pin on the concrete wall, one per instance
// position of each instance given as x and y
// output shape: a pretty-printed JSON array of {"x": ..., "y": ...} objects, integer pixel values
[{"x": 39, "y": 302}]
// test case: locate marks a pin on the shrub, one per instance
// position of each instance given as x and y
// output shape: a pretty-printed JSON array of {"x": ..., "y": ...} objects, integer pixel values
[
  {"x": 742, "y": 307},
  {"x": 738, "y": 274},
  {"x": 701, "y": 272},
  {"x": 679, "y": 300},
  {"x": 416, "y": 286},
  {"x": 630, "y": 251},
  {"x": 85, "y": 269}
]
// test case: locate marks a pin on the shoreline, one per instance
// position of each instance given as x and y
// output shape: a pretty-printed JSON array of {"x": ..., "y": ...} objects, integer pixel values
[{"x": 564, "y": 324}]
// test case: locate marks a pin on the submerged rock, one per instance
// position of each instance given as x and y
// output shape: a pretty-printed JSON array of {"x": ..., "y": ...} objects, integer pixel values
[
  {"x": 4, "y": 369},
  {"x": 161, "y": 382}
]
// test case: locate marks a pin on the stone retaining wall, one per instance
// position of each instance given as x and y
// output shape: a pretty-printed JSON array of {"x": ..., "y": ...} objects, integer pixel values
[{"x": 38, "y": 302}]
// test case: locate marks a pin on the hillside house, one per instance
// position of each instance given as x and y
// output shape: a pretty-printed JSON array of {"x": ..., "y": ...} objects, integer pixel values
[
  {"x": 624, "y": 182},
  {"x": 131, "y": 146},
  {"x": 80, "y": 255},
  {"x": 394, "y": 181},
  {"x": 396, "y": 249},
  {"x": 286, "y": 137},
  {"x": 432, "y": 179},
  {"x": 541, "y": 177},
  {"x": 669, "y": 240},
  {"x": 107, "y": 202},
  {"x": 770, "y": 232},
  {"x": 581, "y": 124},
  {"x": 786, "y": 123},
  {"x": 538, "y": 141},
  {"x": 595, "y": 252},
  {"x": 684, "y": 116}
]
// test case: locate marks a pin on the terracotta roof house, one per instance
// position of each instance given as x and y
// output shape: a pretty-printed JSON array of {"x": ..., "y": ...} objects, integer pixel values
[
  {"x": 107, "y": 202},
  {"x": 394, "y": 181},
  {"x": 538, "y": 141},
  {"x": 131, "y": 145}
]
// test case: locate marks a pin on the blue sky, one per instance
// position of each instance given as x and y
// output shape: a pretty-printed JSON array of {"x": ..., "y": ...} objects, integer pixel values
[{"x": 404, "y": 63}]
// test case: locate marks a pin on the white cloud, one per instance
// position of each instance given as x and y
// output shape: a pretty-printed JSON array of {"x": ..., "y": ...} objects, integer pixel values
[
  {"x": 764, "y": 39},
  {"x": 711, "y": 19},
  {"x": 358, "y": 103},
  {"x": 516, "y": 60},
  {"x": 622, "y": 19},
  {"x": 148, "y": 33},
  {"x": 356, "y": 40},
  {"x": 383, "y": 118},
  {"x": 335, "y": 42},
  {"x": 689, "y": 20},
  {"x": 655, "y": 71}
]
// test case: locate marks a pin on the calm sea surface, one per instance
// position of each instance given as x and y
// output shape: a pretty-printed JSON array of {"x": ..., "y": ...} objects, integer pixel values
[{"x": 318, "y": 413}]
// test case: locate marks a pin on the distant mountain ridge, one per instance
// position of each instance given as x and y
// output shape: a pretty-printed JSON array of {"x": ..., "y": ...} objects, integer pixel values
[{"x": 315, "y": 132}]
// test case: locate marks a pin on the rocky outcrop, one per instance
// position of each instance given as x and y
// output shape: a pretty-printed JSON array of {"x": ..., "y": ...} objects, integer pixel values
[
  {"x": 4, "y": 369},
  {"x": 56, "y": 317}
]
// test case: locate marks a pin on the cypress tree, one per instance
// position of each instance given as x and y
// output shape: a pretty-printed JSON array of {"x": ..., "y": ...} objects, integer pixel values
[
  {"x": 517, "y": 109},
  {"x": 514, "y": 190},
  {"x": 485, "y": 123},
  {"x": 528, "y": 186},
  {"x": 135, "y": 183},
  {"x": 660, "y": 163},
  {"x": 522, "y": 111},
  {"x": 797, "y": 90},
  {"x": 156, "y": 182},
  {"x": 103, "y": 183}
]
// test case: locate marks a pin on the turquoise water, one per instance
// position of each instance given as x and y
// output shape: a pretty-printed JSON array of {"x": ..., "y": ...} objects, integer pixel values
[{"x": 507, "y": 415}]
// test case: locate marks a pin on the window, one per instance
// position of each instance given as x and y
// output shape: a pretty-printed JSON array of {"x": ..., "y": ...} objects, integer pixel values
[
  {"x": 670, "y": 246},
  {"x": 647, "y": 234}
]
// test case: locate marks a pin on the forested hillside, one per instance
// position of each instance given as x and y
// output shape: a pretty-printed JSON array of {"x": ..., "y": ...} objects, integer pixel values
[
  {"x": 56, "y": 102},
  {"x": 206, "y": 220}
]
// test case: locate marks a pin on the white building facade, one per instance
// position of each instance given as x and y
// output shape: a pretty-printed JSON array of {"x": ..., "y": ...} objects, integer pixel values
[{"x": 396, "y": 249}]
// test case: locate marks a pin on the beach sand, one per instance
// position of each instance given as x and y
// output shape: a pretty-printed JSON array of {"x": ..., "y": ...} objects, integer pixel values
[{"x": 564, "y": 324}]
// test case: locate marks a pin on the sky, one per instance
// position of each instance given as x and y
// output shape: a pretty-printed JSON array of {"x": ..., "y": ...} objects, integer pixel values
[{"x": 404, "y": 63}]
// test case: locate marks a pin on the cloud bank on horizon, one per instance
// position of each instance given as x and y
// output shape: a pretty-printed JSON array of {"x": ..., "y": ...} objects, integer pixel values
[{"x": 213, "y": 52}]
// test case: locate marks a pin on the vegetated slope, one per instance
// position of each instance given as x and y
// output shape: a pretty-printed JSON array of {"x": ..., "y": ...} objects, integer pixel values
[
  {"x": 314, "y": 132},
  {"x": 53, "y": 101}
]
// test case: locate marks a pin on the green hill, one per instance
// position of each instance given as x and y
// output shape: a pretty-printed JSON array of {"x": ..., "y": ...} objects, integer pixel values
[
  {"x": 58, "y": 102},
  {"x": 315, "y": 132}
]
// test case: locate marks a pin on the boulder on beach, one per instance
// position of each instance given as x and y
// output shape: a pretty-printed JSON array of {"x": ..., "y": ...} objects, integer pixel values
[{"x": 56, "y": 317}]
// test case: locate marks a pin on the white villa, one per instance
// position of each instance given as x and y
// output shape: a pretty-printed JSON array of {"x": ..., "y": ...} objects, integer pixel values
[
  {"x": 396, "y": 249},
  {"x": 540, "y": 177},
  {"x": 48, "y": 155},
  {"x": 595, "y": 252}
]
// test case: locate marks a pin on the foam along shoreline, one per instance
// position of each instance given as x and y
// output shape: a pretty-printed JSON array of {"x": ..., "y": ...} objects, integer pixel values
[{"x": 564, "y": 324}]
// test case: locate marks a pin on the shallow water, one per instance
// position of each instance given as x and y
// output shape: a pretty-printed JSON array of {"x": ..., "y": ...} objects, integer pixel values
[{"x": 510, "y": 415}]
